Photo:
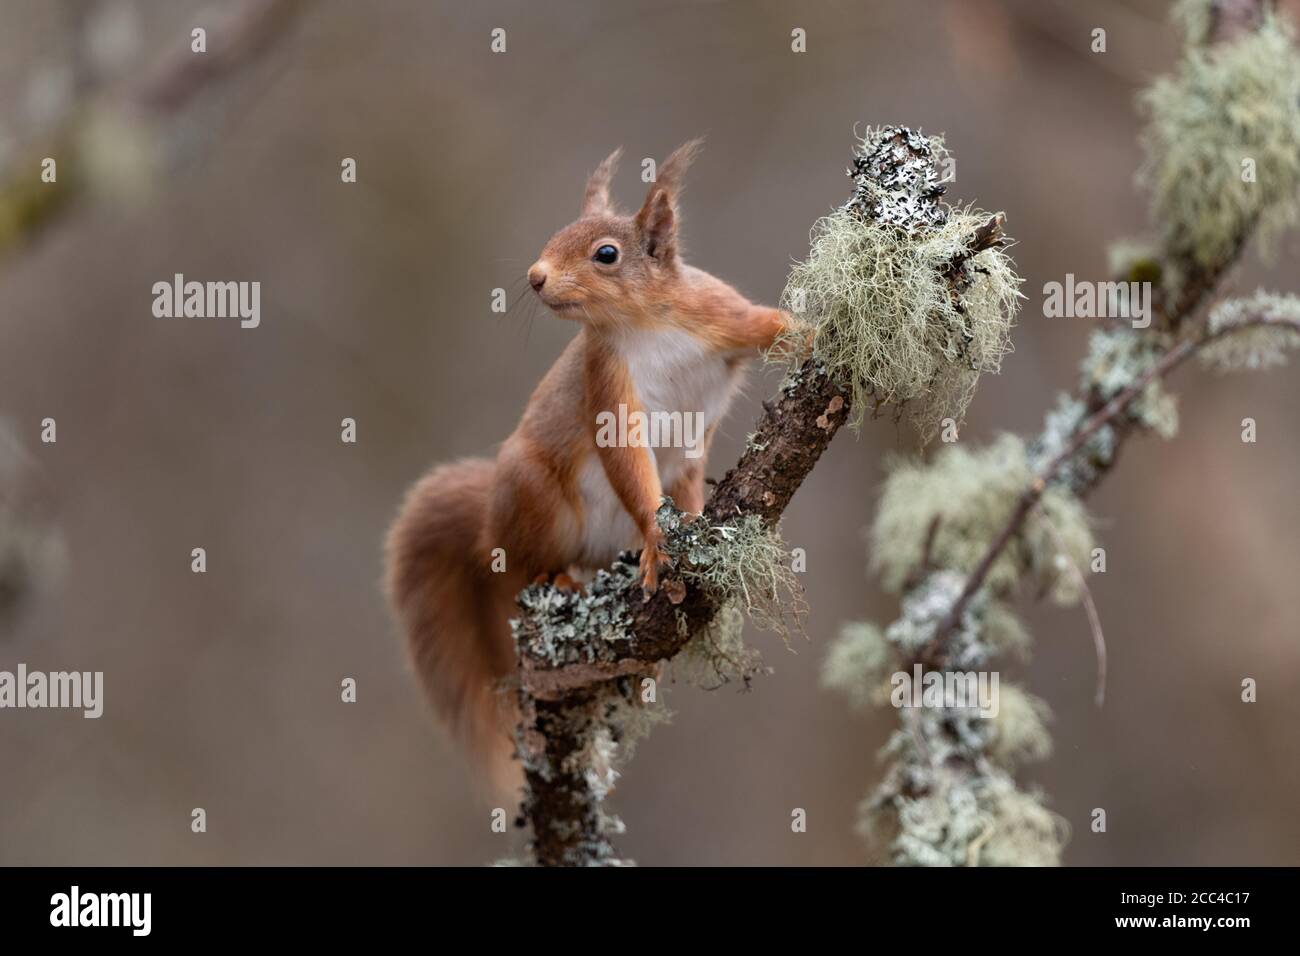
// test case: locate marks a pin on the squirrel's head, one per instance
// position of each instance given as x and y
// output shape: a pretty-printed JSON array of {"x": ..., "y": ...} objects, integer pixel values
[{"x": 606, "y": 265}]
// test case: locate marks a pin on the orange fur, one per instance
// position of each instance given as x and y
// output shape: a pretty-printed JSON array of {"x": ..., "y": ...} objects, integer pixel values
[
  {"x": 454, "y": 609},
  {"x": 653, "y": 330}
]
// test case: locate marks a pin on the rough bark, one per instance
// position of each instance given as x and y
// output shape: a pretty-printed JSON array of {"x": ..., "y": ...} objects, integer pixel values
[{"x": 562, "y": 690}]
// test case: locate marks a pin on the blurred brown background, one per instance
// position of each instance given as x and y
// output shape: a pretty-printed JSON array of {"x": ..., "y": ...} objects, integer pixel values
[{"x": 222, "y": 689}]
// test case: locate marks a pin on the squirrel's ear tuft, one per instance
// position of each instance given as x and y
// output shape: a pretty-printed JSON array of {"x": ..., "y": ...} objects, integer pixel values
[
  {"x": 657, "y": 220},
  {"x": 595, "y": 201},
  {"x": 673, "y": 170}
]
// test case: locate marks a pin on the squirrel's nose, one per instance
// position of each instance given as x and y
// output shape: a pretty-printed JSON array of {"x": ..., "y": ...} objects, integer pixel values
[{"x": 537, "y": 277}]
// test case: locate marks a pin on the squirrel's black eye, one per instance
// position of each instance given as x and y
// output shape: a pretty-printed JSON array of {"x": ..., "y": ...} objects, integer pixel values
[{"x": 607, "y": 255}]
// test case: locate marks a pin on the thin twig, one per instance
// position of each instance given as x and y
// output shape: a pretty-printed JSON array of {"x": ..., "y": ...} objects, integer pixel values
[
  {"x": 1089, "y": 606},
  {"x": 1106, "y": 415}
]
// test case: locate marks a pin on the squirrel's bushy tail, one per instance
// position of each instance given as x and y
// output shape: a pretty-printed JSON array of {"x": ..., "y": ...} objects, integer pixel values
[{"x": 456, "y": 611}]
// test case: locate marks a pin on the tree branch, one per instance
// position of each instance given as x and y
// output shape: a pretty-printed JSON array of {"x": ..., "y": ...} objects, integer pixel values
[
  {"x": 565, "y": 684},
  {"x": 792, "y": 434},
  {"x": 1229, "y": 19},
  {"x": 1109, "y": 414}
]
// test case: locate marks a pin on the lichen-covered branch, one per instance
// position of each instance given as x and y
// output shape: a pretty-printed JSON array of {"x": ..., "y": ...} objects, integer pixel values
[
  {"x": 633, "y": 631},
  {"x": 1282, "y": 324},
  {"x": 963, "y": 536},
  {"x": 583, "y": 656}
]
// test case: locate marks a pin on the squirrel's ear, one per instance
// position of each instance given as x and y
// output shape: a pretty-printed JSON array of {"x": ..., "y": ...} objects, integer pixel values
[
  {"x": 656, "y": 224},
  {"x": 657, "y": 220},
  {"x": 595, "y": 201}
]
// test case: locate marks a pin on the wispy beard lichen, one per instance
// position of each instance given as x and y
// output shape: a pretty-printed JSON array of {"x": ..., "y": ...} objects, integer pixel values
[
  {"x": 1020, "y": 729},
  {"x": 887, "y": 321},
  {"x": 1229, "y": 106},
  {"x": 972, "y": 493},
  {"x": 902, "y": 315},
  {"x": 717, "y": 654},
  {"x": 949, "y": 798},
  {"x": 741, "y": 563},
  {"x": 858, "y": 664}
]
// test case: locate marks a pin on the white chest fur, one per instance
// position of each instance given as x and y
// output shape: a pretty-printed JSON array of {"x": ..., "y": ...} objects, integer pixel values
[
  {"x": 681, "y": 380},
  {"x": 673, "y": 371},
  {"x": 678, "y": 378}
]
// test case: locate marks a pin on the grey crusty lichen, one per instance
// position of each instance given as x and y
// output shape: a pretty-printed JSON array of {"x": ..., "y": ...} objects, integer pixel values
[
  {"x": 742, "y": 564},
  {"x": 577, "y": 627},
  {"x": 975, "y": 820},
  {"x": 597, "y": 734},
  {"x": 927, "y": 811},
  {"x": 741, "y": 561},
  {"x": 897, "y": 183},
  {"x": 745, "y": 569},
  {"x": 902, "y": 314},
  {"x": 1117, "y": 358},
  {"x": 1240, "y": 346}
]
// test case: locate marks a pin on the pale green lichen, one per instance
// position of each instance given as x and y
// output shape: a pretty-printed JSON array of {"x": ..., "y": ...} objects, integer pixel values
[
  {"x": 948, "y": 798},
  {"x": 741, "y": 562},
  {"x": 887, "y": 322},
  {"x": 1024, "y": 831},
  {"x": 1195, "y": 17},
  {"x": 993, "y": 824},
  {"x": 630, "y": 718},
  {"x": 972, "y": 493},
  {"x": 1229, "y": 106},
  {"x": 1242, "y": 342},
  {"x": 901, "y": 312},
  {"x": 1020, "y": 728},
  {"x": 717, "y": 654},
  {"x": 858, "y": 664},
  {"x": 1004, "y": 631},
  {"x": 1116, "y": 359}
]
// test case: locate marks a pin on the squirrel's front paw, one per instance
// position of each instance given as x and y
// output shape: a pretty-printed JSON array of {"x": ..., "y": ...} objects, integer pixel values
[{"x": 651, "y": 558}]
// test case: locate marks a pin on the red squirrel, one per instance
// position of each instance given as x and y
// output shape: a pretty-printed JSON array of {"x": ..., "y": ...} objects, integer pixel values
[{"x": 656, "y": 335}]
